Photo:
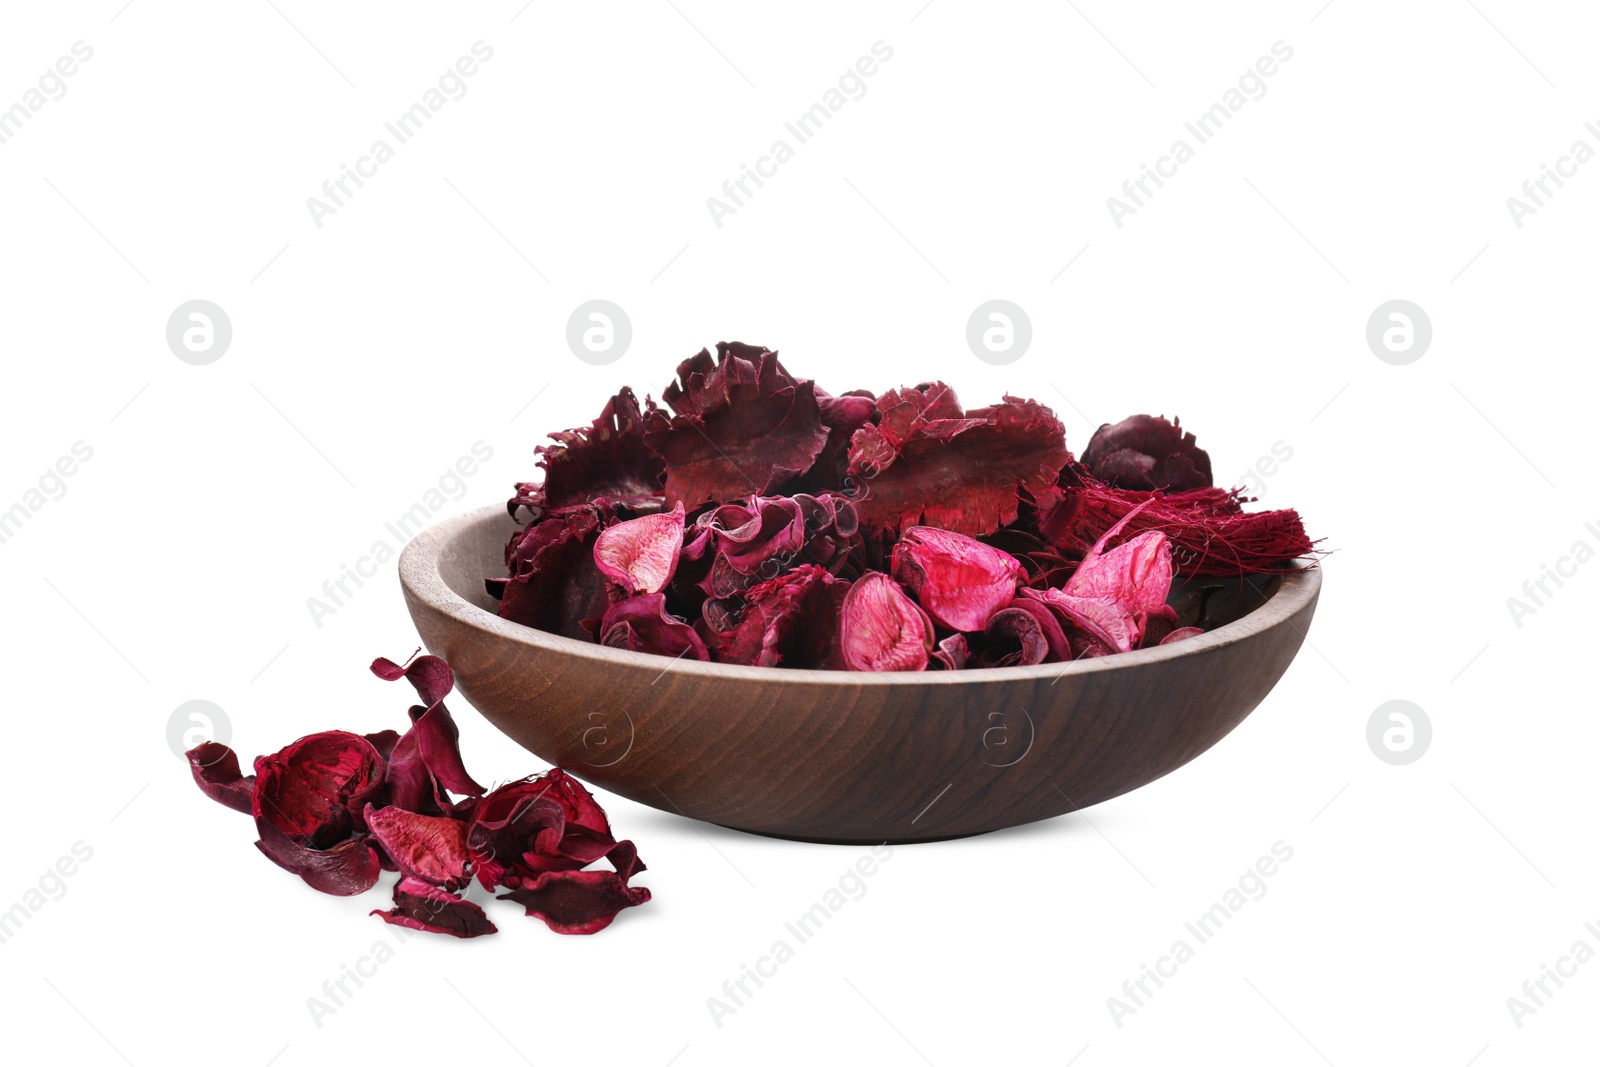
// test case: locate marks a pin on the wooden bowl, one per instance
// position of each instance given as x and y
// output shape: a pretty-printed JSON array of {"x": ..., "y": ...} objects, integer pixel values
[{"x": 846, "y": 757}]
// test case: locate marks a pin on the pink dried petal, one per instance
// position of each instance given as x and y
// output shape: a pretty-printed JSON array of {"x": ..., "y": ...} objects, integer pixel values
[
  {"x": 882, "y": 628},
  {"x": 431, "y": 848},
  {"x": 578, "y": 902},
  {"x": 641, "y": 554},
  {"x": 1093, "y": 627},
  {"x": 952, "y": 652},
  {"x": 216, "y": 771},
  {"x": 421, "y": 906},
  {"x": 1182, "y": 633},
  {"x": 959, "y": 581}
]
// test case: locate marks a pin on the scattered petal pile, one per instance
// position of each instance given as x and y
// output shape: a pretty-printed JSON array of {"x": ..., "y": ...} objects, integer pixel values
[
  {"x": 760, "y": 520},
  {"x": 338, "y": 809}
]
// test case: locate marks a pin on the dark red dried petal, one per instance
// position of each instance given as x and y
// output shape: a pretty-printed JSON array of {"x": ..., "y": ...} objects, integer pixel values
[
  {"x": 350, "y": 867},
  {"x": 607, "y": 459},
  {"x": 1147, "y": 452},
  {"x": 314, "y": 789},
  {"x": 432, "y": 848},
  {"x": 578, "y": 902},
  {"x": 791, "y": 621},
  {"x": 624, "y": 856},
  {"x": 430, "y": 676},
  {"x": 742, "y": 426},
  {"x": 554, "y": 584},
  {"x": 427, "y": 761},
  {"x": 421, "y": 906},
  {"x": 960, "y": 474},
  {"x": 216, "y": 771},
  {"x": 959, "y": 581},
  {"x": 882, "y": 629},
  {"x": 547, "y": 822},
  {"x": 641, "y": 624}
]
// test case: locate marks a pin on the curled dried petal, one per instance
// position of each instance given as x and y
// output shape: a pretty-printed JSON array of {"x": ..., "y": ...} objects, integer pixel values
[
  {"x": 883, "y": 629},
  {"x": 959, "y": 581},
  {"x": 425, "y": 907},
  {"x": 641, "y": 554},
  {"x": 578, "y": 902}
]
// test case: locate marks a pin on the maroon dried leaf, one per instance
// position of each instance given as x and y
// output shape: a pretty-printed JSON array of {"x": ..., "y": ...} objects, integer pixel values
[
  {"x": 577, "y": 902},
  {"x": 1147, "y": 452},
  {"x": 421, "y": 906},
  {"x": 882, "y": 628},
  {"x": 216, "y": 771},
  {"x": 742, "y": 426},
  {"x": 308, "y": 802},
  {"x": 959, "y": 581},
  {"x": 922, "y": 465}
]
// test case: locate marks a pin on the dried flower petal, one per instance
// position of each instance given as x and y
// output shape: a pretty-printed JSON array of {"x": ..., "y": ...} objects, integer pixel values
[
  {"x": 742, "y": 425},
  {"x": 921, "y": 465},
  {"x": 641, "y": 554},
  {"x": 641, "y": 624},
  {"x": 216, "y": 771},
  {"x": 607, "y": 460},
  {"x": 883, "y": 629},
  {"x": 308, "y": 802},
  {"x": 791, "y": 621},
  {"x": 959, "y": 581},
  {"x": 428, "y": 847},
  {"x": 577, "y": 902},
  {"x": 1182, "y": 633},
  {"x": 554, "y": 584},
  {"x": 421, "y": 906},
  {"x": 545, "y": 823},
  {"x": 1147, "y": 452}
]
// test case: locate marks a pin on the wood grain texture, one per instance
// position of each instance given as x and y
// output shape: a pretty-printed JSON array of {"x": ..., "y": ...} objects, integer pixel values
[{"x": 837, "y": 756}]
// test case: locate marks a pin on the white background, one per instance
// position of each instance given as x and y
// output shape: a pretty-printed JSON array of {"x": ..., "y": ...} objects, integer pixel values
[{"x": 370, "y": 353}]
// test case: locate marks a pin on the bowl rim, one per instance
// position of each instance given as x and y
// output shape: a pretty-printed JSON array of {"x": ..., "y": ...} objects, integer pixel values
[{"x": 420, "y": 578}]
